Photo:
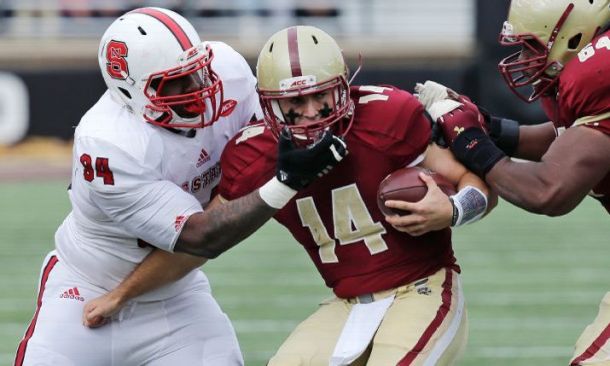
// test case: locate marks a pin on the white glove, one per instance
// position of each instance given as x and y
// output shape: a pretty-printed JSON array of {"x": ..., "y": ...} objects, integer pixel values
[
  {"x": 430, "y": 92},
  {"x": 435, "y": 97},
  {"x": 442, "y": 107}
]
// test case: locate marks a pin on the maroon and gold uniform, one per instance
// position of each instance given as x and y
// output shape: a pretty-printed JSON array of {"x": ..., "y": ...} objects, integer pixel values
[
  {"x": 337, "y": 221},
  {"x": 336, "y": 218},
  {"x": 583, "y": 100}
]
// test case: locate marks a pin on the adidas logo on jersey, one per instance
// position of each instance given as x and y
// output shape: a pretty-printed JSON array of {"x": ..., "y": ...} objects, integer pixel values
[
  {"x": 180, "y": 220},
  {"x": 204, "y": 157},
  {"x": 72, "y": 294}
]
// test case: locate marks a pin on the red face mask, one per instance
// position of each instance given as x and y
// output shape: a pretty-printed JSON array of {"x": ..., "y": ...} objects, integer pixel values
[
  {"x": 190, "y": 95},
  {"x": 337, "y": 114}
]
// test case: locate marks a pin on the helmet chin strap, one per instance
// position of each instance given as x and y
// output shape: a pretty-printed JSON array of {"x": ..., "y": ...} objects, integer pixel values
[{"x": 183, "y": 131}]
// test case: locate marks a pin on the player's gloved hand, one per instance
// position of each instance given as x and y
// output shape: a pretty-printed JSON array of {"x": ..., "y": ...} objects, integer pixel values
[
  {"x": 457, "y": 120},
  {"x": 431, "y": 92},
  {"x": 462, "y": 125},
  {"x": 504, "y": 132},
  {"x": 440, "y": 100},
  {"x": 297, "y": 167}
]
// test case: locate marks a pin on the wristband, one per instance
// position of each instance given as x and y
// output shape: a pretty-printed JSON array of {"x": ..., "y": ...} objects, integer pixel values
[
  {"x": 456, "y": 214},
  {"x": 469, "y": 205},
  {"x": 276, "y": 194},
  {"x": 505, "y": 134},
  {"x": 476, "y": 151}
]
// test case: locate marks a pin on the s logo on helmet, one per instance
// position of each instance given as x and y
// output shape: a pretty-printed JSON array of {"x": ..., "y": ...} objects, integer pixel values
[{"x": 116, "y": 65}]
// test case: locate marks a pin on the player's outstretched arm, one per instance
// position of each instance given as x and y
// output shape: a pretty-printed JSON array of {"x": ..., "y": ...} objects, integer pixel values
[
  {"x": 210, "y": 233},
  {"x": 159, "y": 268},
  {"x": 528, "y": 142},
  {"x": 575, "y": 162},
  {"x": 534, "y": 141},
  {"x": 225, "y": 225}
]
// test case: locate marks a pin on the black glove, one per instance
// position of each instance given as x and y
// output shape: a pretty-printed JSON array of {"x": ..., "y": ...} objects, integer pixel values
[{"x": 298, "y": 167}]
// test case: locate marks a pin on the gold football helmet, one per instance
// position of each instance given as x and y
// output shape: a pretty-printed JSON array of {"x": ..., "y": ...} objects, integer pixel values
[
  {"x": 299, "y": 61},
  {"x": 550, "y": 33}
]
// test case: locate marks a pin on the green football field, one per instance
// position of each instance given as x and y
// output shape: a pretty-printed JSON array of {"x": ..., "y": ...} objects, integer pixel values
[{"x": 532, "y": 283}]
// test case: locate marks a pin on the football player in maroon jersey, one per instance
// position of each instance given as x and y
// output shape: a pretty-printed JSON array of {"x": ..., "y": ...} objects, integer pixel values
[
  {"x": 406, "y": 286},
  {"x": 397, "y": 273},
  {"x": 565, "y": 59}
]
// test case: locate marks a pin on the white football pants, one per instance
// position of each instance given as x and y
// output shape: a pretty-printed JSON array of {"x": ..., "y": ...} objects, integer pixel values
[{"x": 188, "y": 329}]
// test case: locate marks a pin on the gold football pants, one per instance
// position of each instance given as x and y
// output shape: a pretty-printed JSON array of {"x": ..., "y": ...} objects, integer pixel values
[{"x": 425, "y": 325}]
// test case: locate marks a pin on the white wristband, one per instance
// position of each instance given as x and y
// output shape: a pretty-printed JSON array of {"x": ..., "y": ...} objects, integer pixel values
[
  {"x": 469, "y": 205},
  {"x": 276, "y": 194}
]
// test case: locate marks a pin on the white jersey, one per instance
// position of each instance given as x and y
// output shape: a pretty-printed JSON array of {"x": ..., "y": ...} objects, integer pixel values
[{"x": 135, "y": 184}]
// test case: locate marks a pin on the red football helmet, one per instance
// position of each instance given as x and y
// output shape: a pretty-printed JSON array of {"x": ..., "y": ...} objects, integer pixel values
[
  {"x": 147, "y": 50},
  {"x": 300, "y": 61},
  {"x": 550, "y": 33}
]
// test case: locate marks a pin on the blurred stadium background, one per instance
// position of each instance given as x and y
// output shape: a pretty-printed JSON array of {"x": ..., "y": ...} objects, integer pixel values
[{"x": 532, "y": 283}]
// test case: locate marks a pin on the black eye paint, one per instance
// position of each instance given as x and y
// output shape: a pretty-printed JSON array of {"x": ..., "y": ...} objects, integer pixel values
[
  {"x": 325, "y": 111},
  {"x": 291, "y": 116}
]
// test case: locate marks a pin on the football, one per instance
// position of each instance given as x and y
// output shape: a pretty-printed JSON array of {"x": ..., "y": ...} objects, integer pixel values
[{"x": 405, "y": 185}]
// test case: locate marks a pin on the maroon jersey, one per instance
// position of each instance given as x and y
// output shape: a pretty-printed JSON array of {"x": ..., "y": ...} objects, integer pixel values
[
  {"x": 336, "y": 218},
  {"x": 584, "y": 91}
]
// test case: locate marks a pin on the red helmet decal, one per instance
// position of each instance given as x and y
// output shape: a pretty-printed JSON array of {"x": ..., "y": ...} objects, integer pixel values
[
  {"x": 170, "y": 23},
  {"x": 116, "y": 64},
  {"x": 227, "y": 107},
  {"x": 293, "y": 52}
]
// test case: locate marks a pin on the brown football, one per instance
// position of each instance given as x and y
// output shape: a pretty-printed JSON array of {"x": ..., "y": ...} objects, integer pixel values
[{"x": 405, "y": 185}]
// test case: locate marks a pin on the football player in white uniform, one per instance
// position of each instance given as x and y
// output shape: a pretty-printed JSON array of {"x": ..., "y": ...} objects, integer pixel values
[{"x": 145, "y": 161}]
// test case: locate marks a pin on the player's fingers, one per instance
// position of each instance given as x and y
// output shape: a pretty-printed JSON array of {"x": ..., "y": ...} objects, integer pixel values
[
  {"x": 453, "y": 95},
  {"x": 416, "y": 231},
  {"x": 402, "y": 205},
  {"x": 93, "y": 318},
  {"x": 402, "y": 229},
  {"x": 86, "y": 311},
  {"x": 404, "y": 221},
  {"x": 413, "y": 230},
  {"x": 96, "y": 322},
  {"x": 430, "y": 182}
]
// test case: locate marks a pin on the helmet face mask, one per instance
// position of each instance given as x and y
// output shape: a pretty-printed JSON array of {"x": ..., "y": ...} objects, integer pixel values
[
  {"x": 550, "y": 33},
  {"x": 306, "y": 131},
  {"x": 197, "y": 106},
  {"x": 528, "y": 66},
  {"x": 304, "y": 62},
  {"x": 145, "y": 54}
]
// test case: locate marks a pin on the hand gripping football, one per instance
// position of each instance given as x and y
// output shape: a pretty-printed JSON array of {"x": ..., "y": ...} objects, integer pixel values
[{"x": 405, "y": 185}]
